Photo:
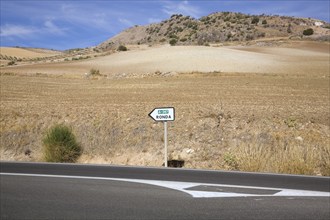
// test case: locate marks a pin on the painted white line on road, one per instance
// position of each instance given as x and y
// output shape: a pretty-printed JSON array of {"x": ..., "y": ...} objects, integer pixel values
[{"x": 185, "y": 187}]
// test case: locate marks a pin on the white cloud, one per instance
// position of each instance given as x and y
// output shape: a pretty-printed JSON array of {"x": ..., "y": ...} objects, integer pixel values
[
  {"x": 181, "y": 7},
  {"x": 126, "y": 22},
  {"x": 52, "y": 28},
  {"x": 20, "y": 31},
  {"x": 88, "y": 16},
  {"x": 17, "y": 31}
]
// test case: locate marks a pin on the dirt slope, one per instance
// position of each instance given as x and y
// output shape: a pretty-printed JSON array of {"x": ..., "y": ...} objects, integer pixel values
[{"x": 296, "y": 57}]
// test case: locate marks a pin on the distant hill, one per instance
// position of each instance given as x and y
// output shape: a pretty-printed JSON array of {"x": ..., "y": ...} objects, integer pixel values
[
  {"x": 24, "y": 52},
  {"x": 219, "y": 28},
  {"x": 12, "y": 55},
  {"x": 23, "y": 55}
]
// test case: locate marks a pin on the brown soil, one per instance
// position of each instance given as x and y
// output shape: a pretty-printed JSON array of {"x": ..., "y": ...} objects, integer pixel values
[{"x": 251, "y": 104}]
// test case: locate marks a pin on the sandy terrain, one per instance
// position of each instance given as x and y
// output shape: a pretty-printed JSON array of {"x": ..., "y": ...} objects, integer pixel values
[{"x": 295, "y": 58}]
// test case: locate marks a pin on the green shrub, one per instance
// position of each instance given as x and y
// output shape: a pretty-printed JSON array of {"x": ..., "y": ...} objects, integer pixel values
[
  {"x": 230, "y": 161},
  {"x": 173, "y": 41},
  {"x": 122, "y": 48},
  {"x": 60, "y": 145},
  {"x": 11, "y": 63},
  {"x": 255, "y": 20},
  {"x": 308, "y": 32},
  {"x": 289, "y": 30}
]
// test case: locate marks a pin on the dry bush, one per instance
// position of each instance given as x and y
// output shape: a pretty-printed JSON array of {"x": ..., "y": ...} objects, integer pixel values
[{"x": 94, "y": 72}]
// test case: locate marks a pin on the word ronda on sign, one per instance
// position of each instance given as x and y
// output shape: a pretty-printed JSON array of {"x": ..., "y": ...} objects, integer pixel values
[{"x": 163, "y": 114}]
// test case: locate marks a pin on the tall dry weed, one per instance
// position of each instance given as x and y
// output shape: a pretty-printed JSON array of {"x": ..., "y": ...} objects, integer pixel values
[
  {"x": 325, "y": 160},
  {"x": 285, "y": 157}
]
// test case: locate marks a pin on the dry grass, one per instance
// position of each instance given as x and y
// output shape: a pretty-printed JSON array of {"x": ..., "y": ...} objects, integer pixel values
[
  {"x": 275, "y": 119},
  {"x": 281, "y": 155},
  {"x": 284, "y": 118}
]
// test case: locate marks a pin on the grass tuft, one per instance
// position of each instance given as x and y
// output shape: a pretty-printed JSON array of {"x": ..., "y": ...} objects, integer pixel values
[{"x": 60, "y": 145}]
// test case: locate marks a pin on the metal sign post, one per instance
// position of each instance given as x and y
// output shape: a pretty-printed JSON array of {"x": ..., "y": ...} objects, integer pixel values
[
  {"x": 164, "y": 115},
  {"x": 165, "y": 143}
]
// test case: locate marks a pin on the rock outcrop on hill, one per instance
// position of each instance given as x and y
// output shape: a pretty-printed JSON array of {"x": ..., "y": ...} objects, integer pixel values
[{"x": 218, "y": 28}]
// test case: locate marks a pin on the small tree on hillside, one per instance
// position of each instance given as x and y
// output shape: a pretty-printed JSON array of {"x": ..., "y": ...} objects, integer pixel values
[
  {"x": 122, "y": 48},
  {"x": 255, "y": 20},
  {"x": 173, "y": 42},
  {"x": 308, "y": 32}
]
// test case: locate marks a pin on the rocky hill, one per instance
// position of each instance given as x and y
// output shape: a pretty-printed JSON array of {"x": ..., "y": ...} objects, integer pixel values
[{"x": 218, "y": 28}]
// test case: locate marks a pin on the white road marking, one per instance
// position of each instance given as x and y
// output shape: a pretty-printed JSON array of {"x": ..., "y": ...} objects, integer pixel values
[{"x": 184, "y": 187}]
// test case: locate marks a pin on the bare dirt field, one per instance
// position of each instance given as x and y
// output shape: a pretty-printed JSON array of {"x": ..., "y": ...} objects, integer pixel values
[
  {"x": 26, "y": 52},
  {"x": 265, "y": 110},
  {"x": 296, "y": 57}
]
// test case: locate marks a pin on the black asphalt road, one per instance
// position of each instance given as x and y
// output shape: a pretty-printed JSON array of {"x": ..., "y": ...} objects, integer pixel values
[{"x": 40, "y": 197}]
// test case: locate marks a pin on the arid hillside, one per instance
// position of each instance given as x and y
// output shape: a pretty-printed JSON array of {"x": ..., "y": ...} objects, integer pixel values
[
  {"x": 219, "y": 28},
  {"x": 226, "y": 30}
]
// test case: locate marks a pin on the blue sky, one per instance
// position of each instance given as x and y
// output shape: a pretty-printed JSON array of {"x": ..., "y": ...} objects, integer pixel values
[{"x": 61, "y": 25}]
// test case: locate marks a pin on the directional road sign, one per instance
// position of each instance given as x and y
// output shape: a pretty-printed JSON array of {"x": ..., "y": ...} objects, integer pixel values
[{"x": 163, "y": 114}]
